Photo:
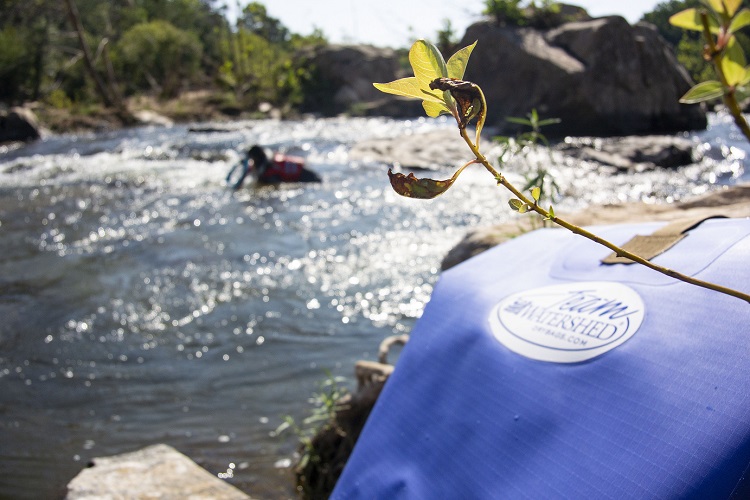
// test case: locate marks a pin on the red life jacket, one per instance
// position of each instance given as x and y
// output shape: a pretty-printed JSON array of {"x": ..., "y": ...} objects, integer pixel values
[{"x": 284, "y": 168}]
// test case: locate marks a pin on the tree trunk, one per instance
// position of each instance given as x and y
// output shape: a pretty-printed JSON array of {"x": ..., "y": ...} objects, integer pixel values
[{"x": 75, "y": 20}]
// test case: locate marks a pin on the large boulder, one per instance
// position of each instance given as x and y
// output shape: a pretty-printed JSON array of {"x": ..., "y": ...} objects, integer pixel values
[
  {"x": 18, "y": 124},
  {"x": 601, "y": 77},
  {"x": 342, "y": 78}
]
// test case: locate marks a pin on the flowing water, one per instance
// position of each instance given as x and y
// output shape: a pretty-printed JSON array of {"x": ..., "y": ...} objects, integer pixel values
[{"x": 143, "y": 302}]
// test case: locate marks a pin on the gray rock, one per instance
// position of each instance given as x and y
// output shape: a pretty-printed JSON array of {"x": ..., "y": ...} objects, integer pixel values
[
  {"x": 343, "y": 78},
  {"x": 148, "y": 117},
  {"x": 601, "y": 77},
  {"x": 633, "y": 153},
  {"x": 18, "y": 124},
  {"x": 440, "y": 148},
  {"x": 157, "y": 471},
  {"x": 445, "y": 148}
]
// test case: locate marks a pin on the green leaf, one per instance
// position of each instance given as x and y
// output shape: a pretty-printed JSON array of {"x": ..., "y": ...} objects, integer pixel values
[
  {"x": 732, "y": 6},
  {"x": 518, "y": 206},
  {"x": 548, "y": 121},
  {"x": 427, "y": 63},
  {"x": 726, "y": 7},
  {"x": 536, "y": 192},
  {"x": 551, "y": 212},
  {"x": 520, "y": 121},
  {"x": 733, "y": 63},
  {"x": 690, "y": 19},
  {"x": 408, "y": 87},
  {"x": 433, "y": 109},
  {"x": 740, "y": 21},
  {"x": 745, "y": 80},
  {"x": 458, "y": 61},
  {"x": 704, "y": 91}
]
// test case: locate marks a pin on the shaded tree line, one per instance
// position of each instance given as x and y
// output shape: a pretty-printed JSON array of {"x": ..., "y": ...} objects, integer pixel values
[{"x": 83, "y": 51}]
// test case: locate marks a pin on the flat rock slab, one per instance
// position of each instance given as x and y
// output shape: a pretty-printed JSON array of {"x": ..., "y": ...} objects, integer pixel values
[
  {"x": 421, "y": 151},
  {"x": 155, "y": 472}
]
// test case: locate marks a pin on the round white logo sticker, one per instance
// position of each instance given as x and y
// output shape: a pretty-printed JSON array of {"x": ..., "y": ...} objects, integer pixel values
[{"x": 567, "y": 323}]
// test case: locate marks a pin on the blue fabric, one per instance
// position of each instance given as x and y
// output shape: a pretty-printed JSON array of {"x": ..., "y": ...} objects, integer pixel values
[{"x": 664, "y": 415}]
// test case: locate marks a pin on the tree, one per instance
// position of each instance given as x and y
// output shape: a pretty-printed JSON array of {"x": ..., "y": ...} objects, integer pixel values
[
  {"x": 108, "y": 97},
  {"x": 446, "y": 38},
  {"x": 159, "y": 56},
  {"x": 255, "y": 19}
]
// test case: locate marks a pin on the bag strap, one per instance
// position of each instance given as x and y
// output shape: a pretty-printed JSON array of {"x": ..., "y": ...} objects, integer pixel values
[{"x": 650, "y": 245}]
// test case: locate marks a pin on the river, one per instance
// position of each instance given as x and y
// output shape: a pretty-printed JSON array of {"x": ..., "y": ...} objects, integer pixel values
[{"x": 143, "y": 302}]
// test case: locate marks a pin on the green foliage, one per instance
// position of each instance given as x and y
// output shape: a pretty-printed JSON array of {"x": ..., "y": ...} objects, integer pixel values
[
  {"x": 325, "y": 404},
  {"x": 258, "y": 60},
  {"x": 686, "y": 36},
  {"x": 512, "y": 13},
  {"x": 159, "y": 46},
  {"x": 159, "y": 55},
  {"x": 718, "y": 21},
  {"x": 505, "y": 12},
  {"x": 14, "y": 63},
  {"x": 59, "y": 99},
  {"x": 446, "y": 38},
  {"x": 255, "y": 19},
  {"x": 659, "y": 17}
]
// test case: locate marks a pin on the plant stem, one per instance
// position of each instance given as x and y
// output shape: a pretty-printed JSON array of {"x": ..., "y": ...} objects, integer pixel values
[{"x": 586, "y": 234}]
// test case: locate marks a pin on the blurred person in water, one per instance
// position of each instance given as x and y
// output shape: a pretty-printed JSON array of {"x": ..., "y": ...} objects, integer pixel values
[{"x": 275, "y": 170}]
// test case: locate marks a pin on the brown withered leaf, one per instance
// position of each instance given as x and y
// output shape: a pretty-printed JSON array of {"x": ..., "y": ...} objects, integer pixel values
[
  {"x": 413, "y": 187},
  {"x": 468, "y": 97}
]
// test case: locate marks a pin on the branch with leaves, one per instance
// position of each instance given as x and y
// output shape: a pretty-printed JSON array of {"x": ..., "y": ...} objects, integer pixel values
[
  {"x": 440, "y": 87},
  {"x": 719, "y": 20}
]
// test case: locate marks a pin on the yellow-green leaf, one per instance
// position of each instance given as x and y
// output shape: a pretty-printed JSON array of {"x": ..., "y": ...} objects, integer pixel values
[
  {"x": 704, "y": 91},
  {"x": 427, "y": 63},
  {"x": 745, "y": 80},
  {"x": 457, "y": 63},
  {"x": 739, "y": 21},
  {"x": 434, "y": 109},
  {"x": 728, "y": 7},
  {"x": 732, "y": 6},
  {"x": 408, "y": 87},
  {"x": 536, "y": 192},
  {"x": 690, "y": 19},
  {"x": 733, "y": 63},
  {"x": 518, "y": 206}
]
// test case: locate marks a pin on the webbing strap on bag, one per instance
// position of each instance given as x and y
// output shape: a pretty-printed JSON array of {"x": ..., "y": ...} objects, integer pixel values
[{"x": 654, "y": 244}]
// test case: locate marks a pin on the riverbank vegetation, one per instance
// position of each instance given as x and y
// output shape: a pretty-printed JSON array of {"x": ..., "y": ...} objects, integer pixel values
[
  {"x": 85, "y": 62},
  {"x": 92, "y": 58}
]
